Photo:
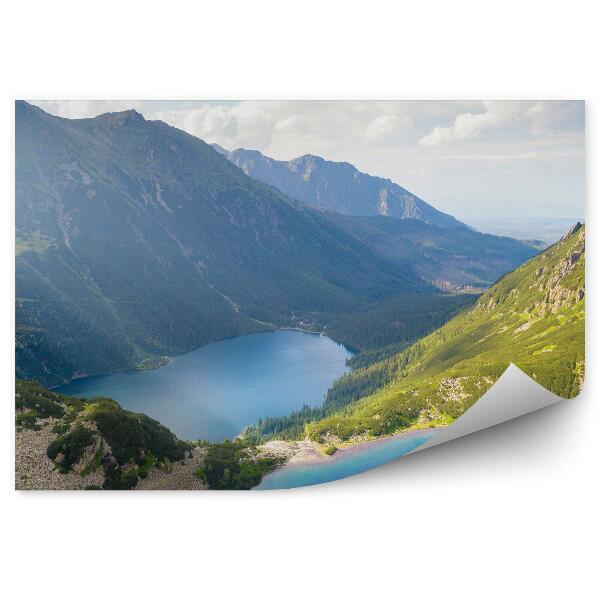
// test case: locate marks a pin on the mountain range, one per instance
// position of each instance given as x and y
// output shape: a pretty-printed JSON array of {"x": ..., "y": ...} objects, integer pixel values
[
  {"x": 390, "y": 220},
  {"x": 136, "y": 240},
  {"x": 338, "y": 187}
]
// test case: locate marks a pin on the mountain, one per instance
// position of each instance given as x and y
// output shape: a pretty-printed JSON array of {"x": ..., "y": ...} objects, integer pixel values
[
  {"x": 136, "y": 240},
  {"x": 446, "y": 253},
  {"x": 449, "y": 259},
  {"x": 533, "y": 317},
  {"x": 338, "y": 187}
]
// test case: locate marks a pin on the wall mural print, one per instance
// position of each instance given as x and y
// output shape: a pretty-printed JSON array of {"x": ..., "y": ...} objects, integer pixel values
[{"x": 237, "y": 295}]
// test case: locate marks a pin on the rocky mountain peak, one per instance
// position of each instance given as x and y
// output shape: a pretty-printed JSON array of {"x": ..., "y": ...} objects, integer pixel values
[
  {"x": 338, "y": 187},
  {"x": 122, "y": 117}
]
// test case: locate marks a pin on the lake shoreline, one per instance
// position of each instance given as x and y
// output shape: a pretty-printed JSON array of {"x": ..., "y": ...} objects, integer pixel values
[
  {"x": 155, "y": 363},
  {"x": 219, "y": 390},
  {"x": 305, "y": 452},
  {"x": 306, "y": 463}
]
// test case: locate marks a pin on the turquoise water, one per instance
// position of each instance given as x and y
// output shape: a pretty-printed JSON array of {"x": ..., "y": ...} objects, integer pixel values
[
  {"x": 345, "y": 462},
  {"x": 214, "y": 392}
]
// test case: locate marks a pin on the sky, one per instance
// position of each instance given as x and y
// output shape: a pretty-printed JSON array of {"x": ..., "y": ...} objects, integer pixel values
[{"x": 482, "y": 161}]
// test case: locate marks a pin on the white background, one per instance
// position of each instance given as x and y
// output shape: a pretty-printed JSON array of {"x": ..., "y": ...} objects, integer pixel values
[{"x": 507, "y": 513}]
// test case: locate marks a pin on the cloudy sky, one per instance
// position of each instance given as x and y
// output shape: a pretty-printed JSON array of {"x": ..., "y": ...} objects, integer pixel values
[{"x": 474, "y": 159}]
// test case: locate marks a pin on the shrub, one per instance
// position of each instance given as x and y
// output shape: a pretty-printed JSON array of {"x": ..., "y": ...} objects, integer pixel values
[
  {"x": 28, "y": 420},
  {"x": 115, "y": 478},
  {"x": 71, "y": 445},
  {"x": 60, "y": 428},
  {"x": 129, "y": 434},
  {"x": 30, "y": 395},
  {"x": 147, "y": 463},
  {"x": 232, "y": 466},
  {"x": 96, "y": 461}
]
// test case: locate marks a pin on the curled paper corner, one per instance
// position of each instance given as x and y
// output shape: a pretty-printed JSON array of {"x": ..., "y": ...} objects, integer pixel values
[{"x": 513, "y": 395}]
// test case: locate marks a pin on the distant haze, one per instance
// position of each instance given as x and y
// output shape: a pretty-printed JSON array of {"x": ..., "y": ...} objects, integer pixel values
[{"x": 503, "y": 166}]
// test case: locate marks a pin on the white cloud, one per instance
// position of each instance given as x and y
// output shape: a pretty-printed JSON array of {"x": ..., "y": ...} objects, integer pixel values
[
  {"x": 385, "y": 126},
  {"x": 537, "y": 117},
  {"x": 289, "y": 128},
  {"x": 284, "y": 128},
  {"x": 554, "y": 115},
  {"x": 468, "y": 126},
  {"x": 248, "y": 124}
]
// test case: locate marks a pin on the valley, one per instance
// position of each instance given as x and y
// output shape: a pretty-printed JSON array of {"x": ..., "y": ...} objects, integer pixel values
[
  {"x": 138, "y": 240},
  {"x": 533, "y": 317},
  {"x": 203, "y": 317},
  {"x": 215, "y": 392}
]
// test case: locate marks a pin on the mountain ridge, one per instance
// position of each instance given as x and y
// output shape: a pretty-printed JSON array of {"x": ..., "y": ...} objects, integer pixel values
[
  {"x": 533, "y": 317},
  {"x": 136, "y": 240},
  {"x": 337, "y": 186}
]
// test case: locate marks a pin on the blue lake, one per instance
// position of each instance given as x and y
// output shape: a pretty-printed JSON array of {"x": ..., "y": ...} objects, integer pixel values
[
  {"x": 215, "y": 391},
  {"x": 345, "y": 463}
]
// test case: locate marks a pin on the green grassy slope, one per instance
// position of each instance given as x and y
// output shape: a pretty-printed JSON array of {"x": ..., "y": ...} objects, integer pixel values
[{"x": 533, "y": 317}]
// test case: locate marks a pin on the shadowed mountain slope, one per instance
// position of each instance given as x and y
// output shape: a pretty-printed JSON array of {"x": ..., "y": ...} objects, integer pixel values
[{"x": 136, "y": 240}]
